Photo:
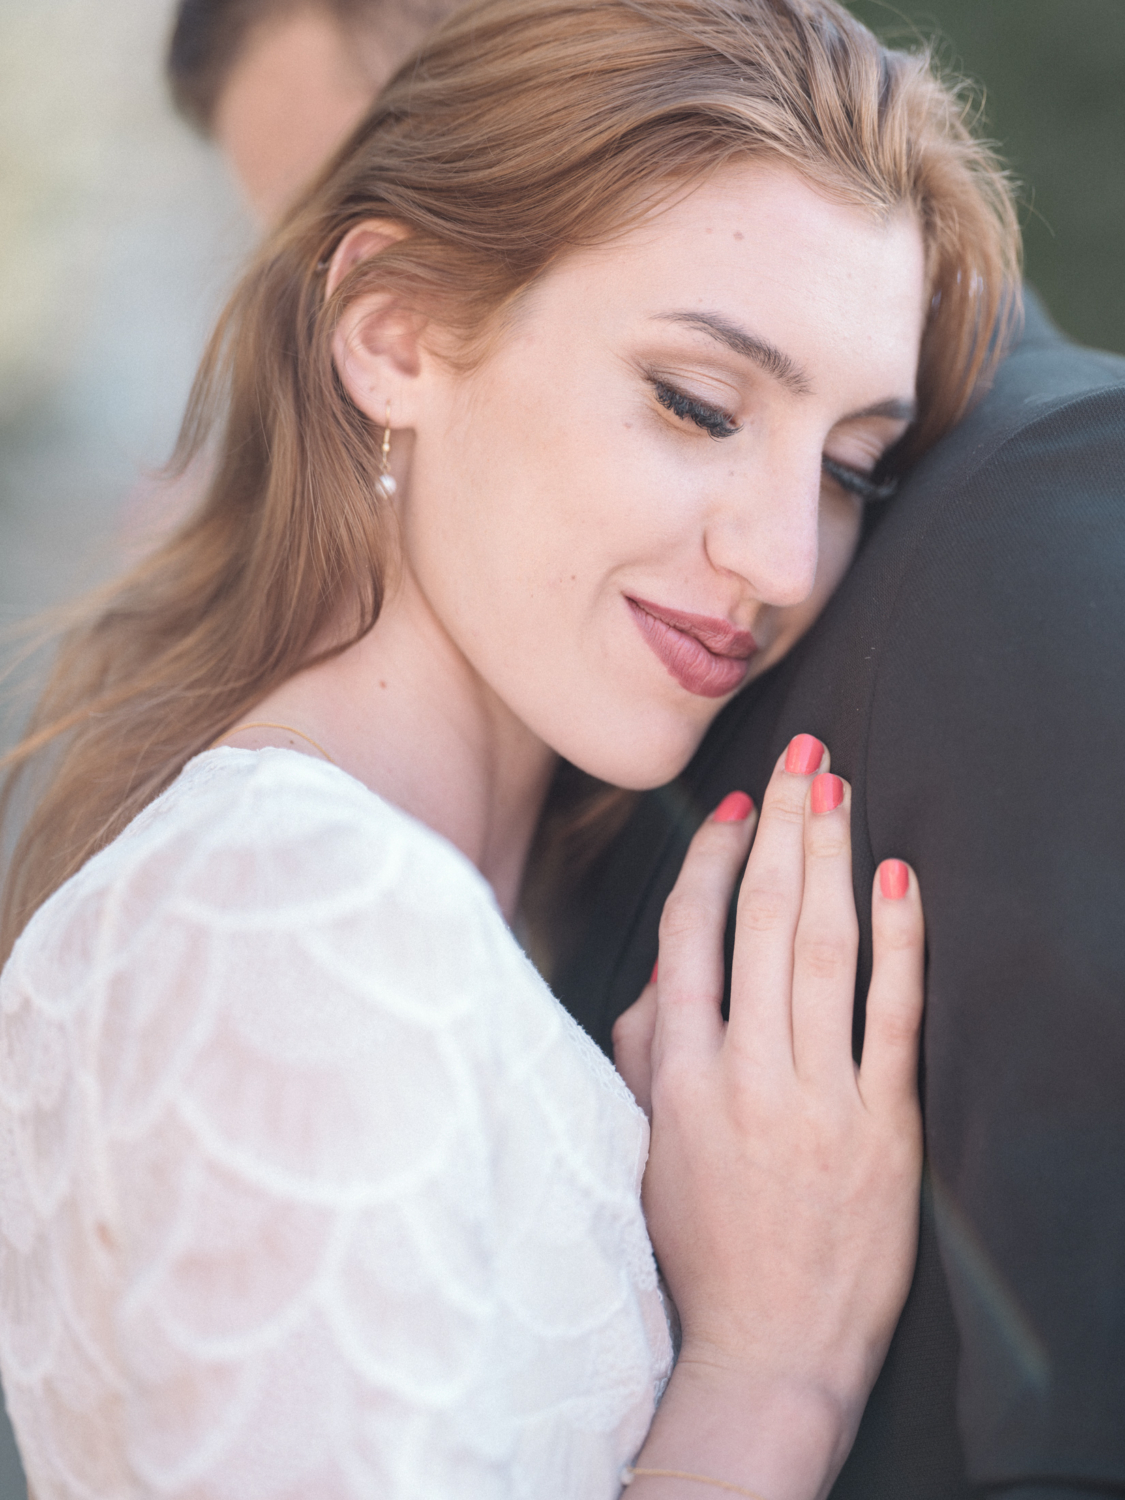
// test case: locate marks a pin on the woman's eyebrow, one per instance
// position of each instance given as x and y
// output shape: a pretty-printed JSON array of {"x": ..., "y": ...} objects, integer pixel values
[
  {"x": 775, "y": 362},
  {"x": 766, "y": 356}
]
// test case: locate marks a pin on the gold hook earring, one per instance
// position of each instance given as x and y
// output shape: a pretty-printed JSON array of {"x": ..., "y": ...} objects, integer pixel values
[{"x": 385, "y": 485}]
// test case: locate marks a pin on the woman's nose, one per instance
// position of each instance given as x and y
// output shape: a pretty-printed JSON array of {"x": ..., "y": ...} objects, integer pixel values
[{"x": 766, "y": 532}]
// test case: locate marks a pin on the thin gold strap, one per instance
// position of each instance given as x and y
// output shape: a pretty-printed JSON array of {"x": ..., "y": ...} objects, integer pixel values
[
  {"x": 629, "y": 1474},
  {"x": 288, "y": 730}
]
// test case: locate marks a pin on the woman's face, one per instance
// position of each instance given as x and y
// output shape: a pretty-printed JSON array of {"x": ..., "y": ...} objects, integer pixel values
[{"x": 621, "y": 516}]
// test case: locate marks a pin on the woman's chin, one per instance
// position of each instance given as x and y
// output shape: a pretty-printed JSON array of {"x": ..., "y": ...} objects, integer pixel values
[{"x": 636, "y": 758}]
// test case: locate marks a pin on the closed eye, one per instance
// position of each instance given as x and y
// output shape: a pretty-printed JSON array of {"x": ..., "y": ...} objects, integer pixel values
[
  {"x": 720, "y": 424},
  {"x": 712, "y": 419},
  {"x": 858, "y": 483}
]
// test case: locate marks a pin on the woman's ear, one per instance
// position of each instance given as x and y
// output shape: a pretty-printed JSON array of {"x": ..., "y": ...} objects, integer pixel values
[
  {"x": 376, "y": 344},
  {"x": 359, "y": 244}
]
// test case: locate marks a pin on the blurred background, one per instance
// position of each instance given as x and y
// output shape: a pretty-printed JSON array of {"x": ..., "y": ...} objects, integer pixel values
[
  {"x": 1051, "y": 74},
  {"x": 120, "y": 231}
]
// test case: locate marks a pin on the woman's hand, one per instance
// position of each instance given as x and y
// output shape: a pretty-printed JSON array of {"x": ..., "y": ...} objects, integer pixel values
[{"x": 782, "y": 1185}]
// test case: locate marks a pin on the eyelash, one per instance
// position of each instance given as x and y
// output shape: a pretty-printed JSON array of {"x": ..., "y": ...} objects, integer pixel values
[
  {"x": 719, "y": 424},
  {"x": 859, "y": 484}
]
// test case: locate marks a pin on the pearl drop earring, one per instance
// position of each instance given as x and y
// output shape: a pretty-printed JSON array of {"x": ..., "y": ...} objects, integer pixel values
[{"x": 385, "y": 485}]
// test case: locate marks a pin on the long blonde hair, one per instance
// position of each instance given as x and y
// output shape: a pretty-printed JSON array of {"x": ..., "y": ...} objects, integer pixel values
[{"x": 521, "y": 129}]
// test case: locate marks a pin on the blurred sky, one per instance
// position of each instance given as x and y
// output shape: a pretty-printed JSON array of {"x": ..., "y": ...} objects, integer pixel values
[{"x": 119, "y": 233}]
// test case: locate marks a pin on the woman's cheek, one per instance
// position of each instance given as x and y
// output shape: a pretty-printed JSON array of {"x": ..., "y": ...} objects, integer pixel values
[{"x": 841, "y": 517}]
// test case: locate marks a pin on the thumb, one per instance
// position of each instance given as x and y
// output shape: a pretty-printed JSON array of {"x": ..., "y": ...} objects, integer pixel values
[{"x": 632, "y": 1045}]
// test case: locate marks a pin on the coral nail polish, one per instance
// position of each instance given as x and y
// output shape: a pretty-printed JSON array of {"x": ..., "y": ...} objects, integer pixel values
[
  {"x": 735, "y": 807},
  {"x": 827, "y": 793},
  {"x": 652, "y": 976},
  {"x": 804, "y": 755},
  {"x": 894, "y": 879}
]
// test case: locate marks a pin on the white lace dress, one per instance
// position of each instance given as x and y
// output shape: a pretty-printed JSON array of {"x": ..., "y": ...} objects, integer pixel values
[{"x": 308, "y": 1185}]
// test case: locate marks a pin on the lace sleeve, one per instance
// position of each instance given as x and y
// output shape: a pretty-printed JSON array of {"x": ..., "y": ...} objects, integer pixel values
[{"x": 282, "y": 1180}]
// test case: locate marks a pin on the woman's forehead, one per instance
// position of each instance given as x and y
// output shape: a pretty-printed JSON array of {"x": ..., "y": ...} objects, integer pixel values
[{"x": 753, "y": 254}]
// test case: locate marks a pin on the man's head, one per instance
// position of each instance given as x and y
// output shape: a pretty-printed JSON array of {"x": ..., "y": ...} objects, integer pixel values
[{"x": 278, "y": 84}]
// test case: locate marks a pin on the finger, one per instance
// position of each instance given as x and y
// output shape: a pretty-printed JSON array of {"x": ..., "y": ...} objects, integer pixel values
[
  {"x": 769, "y": 905},
  {"x": 632, "y": 1045},
  {"x": 888, "y": 1076},
  {"x": 690, "y": 990},
  {"x": 827, "y": 940}
]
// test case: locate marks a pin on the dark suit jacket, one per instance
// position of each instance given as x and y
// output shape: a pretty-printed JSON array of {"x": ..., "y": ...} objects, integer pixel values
[{"x": 969, "y": 679}]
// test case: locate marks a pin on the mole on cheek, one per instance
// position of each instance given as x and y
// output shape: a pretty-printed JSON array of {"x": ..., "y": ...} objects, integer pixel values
[{"x": 738, "y": 234}]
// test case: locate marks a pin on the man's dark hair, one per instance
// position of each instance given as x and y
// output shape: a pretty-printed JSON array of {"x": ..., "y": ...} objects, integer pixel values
[{"x": 209, "y": 35}]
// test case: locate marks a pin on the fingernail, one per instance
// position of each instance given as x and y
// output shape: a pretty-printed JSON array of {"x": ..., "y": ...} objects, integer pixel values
[
  {"x": 804, "y": 755},
  {"x": 652, "y": 976},
  {"x": 827, "y": 793},
  {"x": 894, "y": 879},
  {"x": 735, "y": 807}
]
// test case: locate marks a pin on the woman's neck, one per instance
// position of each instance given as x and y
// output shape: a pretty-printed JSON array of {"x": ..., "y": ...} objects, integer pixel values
[{"x": 405, "y": 713}]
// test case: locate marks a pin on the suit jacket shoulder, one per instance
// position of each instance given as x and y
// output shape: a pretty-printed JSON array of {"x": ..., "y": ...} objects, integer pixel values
[{"x": 969, "y": 679}]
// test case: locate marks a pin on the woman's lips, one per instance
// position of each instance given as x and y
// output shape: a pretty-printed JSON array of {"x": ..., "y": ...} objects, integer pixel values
[{"x": 707, "y": 656}]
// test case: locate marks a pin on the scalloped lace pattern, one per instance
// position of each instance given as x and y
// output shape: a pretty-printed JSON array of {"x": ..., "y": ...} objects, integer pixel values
[{"x": 308, "y": 1185}]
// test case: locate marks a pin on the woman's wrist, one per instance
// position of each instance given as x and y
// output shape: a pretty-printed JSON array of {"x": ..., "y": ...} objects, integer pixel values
[{"x": 776, "y": 1437}]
